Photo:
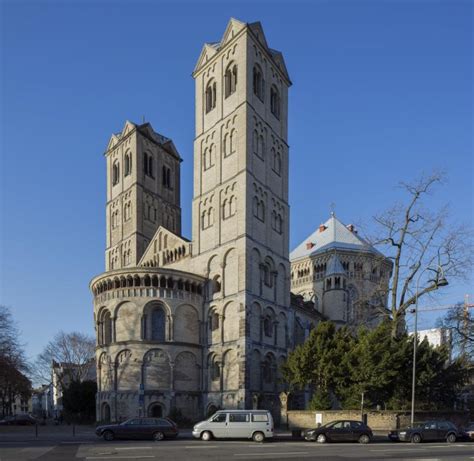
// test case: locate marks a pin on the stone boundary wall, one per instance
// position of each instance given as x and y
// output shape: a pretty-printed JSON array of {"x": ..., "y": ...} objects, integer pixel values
[{"x": 377, "y": 420}]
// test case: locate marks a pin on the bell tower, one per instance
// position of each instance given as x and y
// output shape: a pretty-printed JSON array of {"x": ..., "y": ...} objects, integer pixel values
[
  {"x": 240, "y": 206},
  {"x": 143, "y": 192}
]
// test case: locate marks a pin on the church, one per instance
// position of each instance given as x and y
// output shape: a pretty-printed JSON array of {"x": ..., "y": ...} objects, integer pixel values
[{"x": 201, "y": 324}]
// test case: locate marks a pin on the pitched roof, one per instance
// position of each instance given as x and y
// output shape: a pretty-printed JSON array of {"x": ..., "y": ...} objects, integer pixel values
[
  {"x": 146, "y": 130},
  {"x": 332, "y": 235},
  {"x": 234, "y": 27}
]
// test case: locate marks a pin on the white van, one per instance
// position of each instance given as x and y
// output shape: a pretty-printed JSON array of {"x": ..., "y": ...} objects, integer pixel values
[{"x": 236, "y": 424}]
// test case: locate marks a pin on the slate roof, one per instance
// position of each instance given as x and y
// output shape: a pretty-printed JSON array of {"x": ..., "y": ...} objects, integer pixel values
[{"x": 335, "y": 236}]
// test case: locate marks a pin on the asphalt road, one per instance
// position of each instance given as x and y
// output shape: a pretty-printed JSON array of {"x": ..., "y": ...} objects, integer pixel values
[{"x": 195, "y": 450}]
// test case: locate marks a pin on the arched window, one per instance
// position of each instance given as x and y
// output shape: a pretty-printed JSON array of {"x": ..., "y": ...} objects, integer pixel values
[
  {"x": 115, "y": 173},
  {"x": 106, "y": 328},
  {"x": 260, "y": 146},
  {"x": 267, "y": 326},
  {"x": 215, "y": 371},
  {"x": 232, "y": 206},
  {"x": 275, "y": 101},
  {"x": 214, "y": 321},
  {"x": 224, "y": 210},
  {"x": 230, "y": 79},
  {"x": 255, "y": 142},
  {"x": 166, "y": 177},
  {"x": 211, "y": 91},
  {"x": 157, "y": 324},
  {"x": 233, "y": 140},
  {"x": 128, "y": 163},
  {"x": 216, "y": 284},
  {"x": 261, "y": 211},
  {"x": 148, "y": 164},
  {"x": 255, "y": 206},
  {"x": 227, "y": 144},
  {"x": 258, "y": 83},
  {"x": 276, "y": 161}
]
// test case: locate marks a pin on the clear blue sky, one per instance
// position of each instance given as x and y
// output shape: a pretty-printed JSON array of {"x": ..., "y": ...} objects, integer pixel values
[{"x": 382, "y": 90}]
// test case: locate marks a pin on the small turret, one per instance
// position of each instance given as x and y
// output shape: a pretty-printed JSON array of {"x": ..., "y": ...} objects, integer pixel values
[{"x": 334, "y": 297}]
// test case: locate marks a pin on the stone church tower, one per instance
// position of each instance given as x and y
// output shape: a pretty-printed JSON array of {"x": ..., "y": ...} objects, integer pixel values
[
  {"x": 240, "y": 208},
  {"x": 143, "y": 192}
]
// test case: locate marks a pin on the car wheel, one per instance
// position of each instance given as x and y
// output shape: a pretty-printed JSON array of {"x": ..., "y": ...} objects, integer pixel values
[
  {"x": 108, "y": 435},
  {"x": 451, "y": 438},
  {"x": 321, "y": 438},
  {"x": 258, "y": 437},
  {"x": 364, "y": 438},
  {"x": 416, "y": 438},
  {"x": 206, "y": 436},
  {"x": 157, "y": 436}
]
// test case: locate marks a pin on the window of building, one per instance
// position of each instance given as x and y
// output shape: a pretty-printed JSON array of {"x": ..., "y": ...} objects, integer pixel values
[
  {"x": 276, "y": 161},
  {"x": 259, "y": 209},
  {"x": 166, "y": 177},
  {"x": 267, "y": 326},
  {"x": 214, "y": 321},
  {"x": 230, "y": 79},
  {"x": 258, "y": 83},
  {"x": 275, "y": 101},
  {"x": 158, "y": 324},
  {"x": 148, "y": 165},
  {"x": 215, "y": 375},
  {"x": 115, "y": 173},
  {"x": 128, "y": 163},
  {"x": 211, "y": 91}
]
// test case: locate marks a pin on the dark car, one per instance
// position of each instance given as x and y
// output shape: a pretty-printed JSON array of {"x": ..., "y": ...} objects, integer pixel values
[
  {"x": 340, "y": 431},
  {"x": 428, "y": 431},
  {"x": 139, "y": 428},
  {"x": 18, "y": 420}
]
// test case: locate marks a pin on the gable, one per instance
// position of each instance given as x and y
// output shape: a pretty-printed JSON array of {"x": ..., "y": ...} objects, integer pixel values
[
  {"x": 164, "y": 247},
  {"x": 257, "y": 30},
  {"x": 233, "y": 28},
  {"x": 208, "y": 51}
]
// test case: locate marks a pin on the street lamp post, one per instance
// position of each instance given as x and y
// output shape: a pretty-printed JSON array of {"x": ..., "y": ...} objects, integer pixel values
[{"x": 441, "y": 283}]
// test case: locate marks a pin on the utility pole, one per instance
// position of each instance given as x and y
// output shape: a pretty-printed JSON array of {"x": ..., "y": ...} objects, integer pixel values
[{"x": 465, "y": 324}]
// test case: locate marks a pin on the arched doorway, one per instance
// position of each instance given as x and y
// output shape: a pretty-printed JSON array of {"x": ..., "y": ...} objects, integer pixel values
[
  {"x": 105, "y": 413},
  {"x": 155, "y": 410}
]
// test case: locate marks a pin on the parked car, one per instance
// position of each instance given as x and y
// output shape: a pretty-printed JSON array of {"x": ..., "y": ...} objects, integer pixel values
[
  {"x": 239, "y": 424},
  {"x": 467, "y": 434},
  {"x": 428, "y": 431},
  {"x": 340, "y": 431},
  {"x": 18, "y": 420},
  {"x": 139, "y": 428}
]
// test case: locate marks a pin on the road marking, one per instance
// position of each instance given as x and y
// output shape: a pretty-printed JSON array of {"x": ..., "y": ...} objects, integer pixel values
[
  {"x": 280, "y": 453},
  {"x": 133, "y": 448},
  {"x": 202, "y": 446},
  {"x": 400, "y": 449},
  {"x": 119, "y": 457}
]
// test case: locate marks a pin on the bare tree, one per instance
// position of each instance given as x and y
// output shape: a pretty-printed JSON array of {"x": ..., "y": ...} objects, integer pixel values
[
  {"x": 425, "y": 247},
  {"x": 71, "y": 353},
  {"x": 460, "y": 321},
  {"x": 13, "y": 364}
]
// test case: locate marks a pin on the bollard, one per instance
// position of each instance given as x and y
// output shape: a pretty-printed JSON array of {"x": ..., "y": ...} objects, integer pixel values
[{"x": 36, "y": 430}]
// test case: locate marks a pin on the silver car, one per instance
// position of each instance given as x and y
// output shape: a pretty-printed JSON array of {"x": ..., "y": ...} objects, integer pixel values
[{"x": 236, "y": 424}]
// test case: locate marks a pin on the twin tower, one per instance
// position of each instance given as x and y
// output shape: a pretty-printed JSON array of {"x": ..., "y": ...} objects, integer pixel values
[{"x": 192, "y": 326}]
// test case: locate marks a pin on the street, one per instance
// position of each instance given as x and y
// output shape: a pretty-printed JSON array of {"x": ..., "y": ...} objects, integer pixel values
[{"x": 60, "y": 446}]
